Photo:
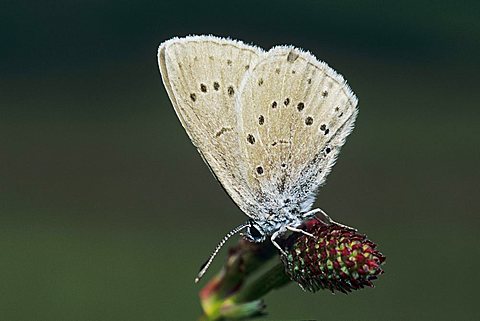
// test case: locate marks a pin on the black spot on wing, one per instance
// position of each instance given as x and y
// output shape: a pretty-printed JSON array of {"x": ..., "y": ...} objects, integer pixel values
[
  {"x": 261, "y": 120},
  {"x": 251, "y": 139},
  {"x": 292, "y": 56}
]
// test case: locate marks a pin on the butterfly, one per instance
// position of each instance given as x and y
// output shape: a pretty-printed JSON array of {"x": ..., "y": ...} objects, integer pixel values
[{"x": 269, "y": 125}]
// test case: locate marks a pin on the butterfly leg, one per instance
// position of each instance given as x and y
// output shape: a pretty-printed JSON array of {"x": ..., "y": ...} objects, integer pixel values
[
  {"x": 272, "y": 238},
  {"x": 294, "y": 229},
  {"x": 325, "y": 218}
]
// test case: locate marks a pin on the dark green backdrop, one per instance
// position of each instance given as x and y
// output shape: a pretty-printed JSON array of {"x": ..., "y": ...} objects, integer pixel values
[{"x": 106, "y": 209}]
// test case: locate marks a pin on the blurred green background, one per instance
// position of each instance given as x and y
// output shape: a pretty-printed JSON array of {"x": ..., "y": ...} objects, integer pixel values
[{"x": 107, "y": 211}]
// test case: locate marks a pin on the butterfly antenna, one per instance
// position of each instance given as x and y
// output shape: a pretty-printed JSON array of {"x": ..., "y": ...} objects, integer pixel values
[{"x": 206, "y": 265}]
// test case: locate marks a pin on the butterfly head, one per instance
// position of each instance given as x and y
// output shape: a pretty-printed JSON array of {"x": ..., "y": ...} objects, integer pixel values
[{"x": 258, "y": 230}]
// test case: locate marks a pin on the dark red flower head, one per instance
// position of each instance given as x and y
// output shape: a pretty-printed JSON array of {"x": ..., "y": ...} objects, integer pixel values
[{"x": 336, "y": 258}]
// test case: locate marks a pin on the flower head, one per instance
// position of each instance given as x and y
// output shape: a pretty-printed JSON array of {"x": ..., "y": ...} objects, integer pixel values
[{"x": 335, "y": 258}]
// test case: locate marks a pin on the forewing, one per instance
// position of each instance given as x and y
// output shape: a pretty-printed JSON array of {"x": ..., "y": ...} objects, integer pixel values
[
  {"x": 202, "y": 75},
  {"x": 294, "y": 115}
]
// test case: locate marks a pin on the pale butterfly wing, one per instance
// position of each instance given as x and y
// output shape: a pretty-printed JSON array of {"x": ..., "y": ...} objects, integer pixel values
[
  {"x": 202, "y": 75},
  {"x": 294, "y": 113}
]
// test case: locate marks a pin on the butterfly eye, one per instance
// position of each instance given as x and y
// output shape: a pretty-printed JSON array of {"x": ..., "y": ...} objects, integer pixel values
[{"x": 255, "y": 233}]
